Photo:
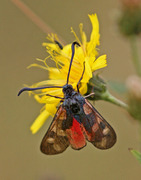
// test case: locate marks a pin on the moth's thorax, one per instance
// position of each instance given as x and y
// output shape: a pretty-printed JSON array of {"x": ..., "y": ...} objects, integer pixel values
[
  {"x": 73, "y": 102},
  {"x": 68, "y": 91},
  {"x": 72, "y": 99}
]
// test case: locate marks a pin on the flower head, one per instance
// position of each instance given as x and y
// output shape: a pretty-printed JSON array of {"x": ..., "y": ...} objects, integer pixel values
[{"x": 61, "y": 55}]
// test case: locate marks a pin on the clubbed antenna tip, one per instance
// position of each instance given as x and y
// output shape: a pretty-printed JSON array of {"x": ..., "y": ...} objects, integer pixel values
[{"x": 38, "y": 88}]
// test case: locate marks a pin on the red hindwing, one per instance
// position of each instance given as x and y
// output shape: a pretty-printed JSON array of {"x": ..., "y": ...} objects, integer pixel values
[{"x": 76, "y": 136}]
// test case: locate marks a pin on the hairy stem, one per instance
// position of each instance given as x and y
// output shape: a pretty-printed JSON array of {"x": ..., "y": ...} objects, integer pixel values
[
  {"x": 110, "y": 98},
  {"x": 135, "y": 56}
]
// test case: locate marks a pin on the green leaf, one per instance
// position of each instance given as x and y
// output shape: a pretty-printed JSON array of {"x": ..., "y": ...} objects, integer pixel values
[
  {"x": 136, "y": 154},
  {"x": 118, "y": 87}
]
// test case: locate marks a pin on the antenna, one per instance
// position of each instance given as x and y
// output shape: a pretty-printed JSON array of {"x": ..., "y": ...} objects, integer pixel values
[
  {"x": 33, "y": 89},
  {"x": 73, "y": 51}
]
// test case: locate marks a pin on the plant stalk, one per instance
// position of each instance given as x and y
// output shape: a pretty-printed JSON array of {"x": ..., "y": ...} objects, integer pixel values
[
  {"x": 110, "y": 98},
  {"x": 135, "y": 55}
]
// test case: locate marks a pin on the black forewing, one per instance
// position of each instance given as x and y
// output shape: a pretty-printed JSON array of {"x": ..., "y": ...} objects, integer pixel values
[
  {"x": 55, "y": 140},
  {"x": 98, "y": 131}
]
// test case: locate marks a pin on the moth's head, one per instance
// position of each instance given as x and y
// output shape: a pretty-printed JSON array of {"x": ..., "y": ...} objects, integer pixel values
[{"x": 68, "y": 89}]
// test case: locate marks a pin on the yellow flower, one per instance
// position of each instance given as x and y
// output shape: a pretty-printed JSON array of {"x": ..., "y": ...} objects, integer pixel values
[{"x": 61, "y": 55}]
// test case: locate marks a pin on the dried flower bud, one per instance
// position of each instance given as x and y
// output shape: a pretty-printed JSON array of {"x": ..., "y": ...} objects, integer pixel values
[
  {"x": 130, "y": 20},
  {"x": 131, "y": 3},
  {"x": 134, "y": 96}
]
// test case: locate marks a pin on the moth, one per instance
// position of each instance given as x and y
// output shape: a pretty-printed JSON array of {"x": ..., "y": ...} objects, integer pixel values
[{"x": 75, "y": 122}]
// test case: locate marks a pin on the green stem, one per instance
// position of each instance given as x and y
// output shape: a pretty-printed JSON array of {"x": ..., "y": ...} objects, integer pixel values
[
  {"x": 140, "y": 134},
  {"x": 135, "y": 56},
  {"x": 110, "y": 98}
]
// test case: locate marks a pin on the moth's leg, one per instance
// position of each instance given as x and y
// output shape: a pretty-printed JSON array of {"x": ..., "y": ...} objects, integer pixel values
[
  {"x": 89, "y": 95},
  {"x": 54, "y": 96}
]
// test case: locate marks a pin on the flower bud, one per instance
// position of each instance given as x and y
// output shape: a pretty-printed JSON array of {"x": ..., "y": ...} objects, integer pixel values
[{"x": 96, "y": 86}]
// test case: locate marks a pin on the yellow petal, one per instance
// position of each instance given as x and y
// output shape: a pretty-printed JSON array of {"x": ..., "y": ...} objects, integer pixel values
[
  {"x": 38, "y": 99},
  {"x": 54, "y": 73},
  {"x": 79, "y": 55},
  {"x": 45, "y": 99},
  {"x": 94, "y": 39},
  {"x": 99, "y": 63},
  {"x": 66, "y": 50},
  {"x": 88, "y": 70},
  {"x": 51, "y": 108},
  {"x": 39, "y": 121},
  {"x": 95, "y": 30},
  {"x": 83, "y": 88},
  {"x": 50, "y": 82}
]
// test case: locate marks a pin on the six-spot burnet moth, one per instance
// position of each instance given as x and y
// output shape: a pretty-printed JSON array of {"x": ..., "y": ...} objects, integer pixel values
[{"x": 75, "y": 121}]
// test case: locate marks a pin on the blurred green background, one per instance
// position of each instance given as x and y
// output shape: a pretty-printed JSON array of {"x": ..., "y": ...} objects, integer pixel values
[{"x": 20, "y": 45}]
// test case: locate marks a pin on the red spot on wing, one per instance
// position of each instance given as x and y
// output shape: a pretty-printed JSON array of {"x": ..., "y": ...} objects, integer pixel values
[{"x": 76, "y": 136}]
